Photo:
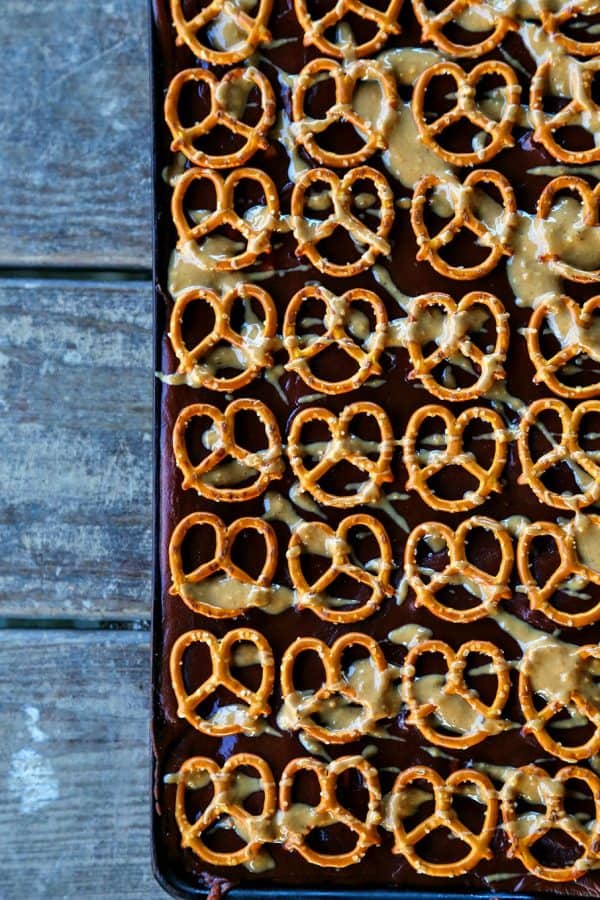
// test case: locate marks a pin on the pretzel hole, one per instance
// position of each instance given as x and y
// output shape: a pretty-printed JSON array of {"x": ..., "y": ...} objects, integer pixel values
[
  {"x": 198, "y": 795},
  {"x": 461, "y": 596},
  {"x": 415, "y": 803},
  {"x": 196, "y": 665},
  {"x": 247, "y": 318},
  {"x": 480, "y": 676},
  {"x": 580, "y": 372},
  {"x": 249, "y": 552},
  {"x": 464, "y": 28},
  {"x": 352, "y": 793},
  {"x": 249, "y": 431},
  {"x": 332, "y": 840},
  {"x": 339, "y": 249},
  {"x": 468, "y": 806},
  {"x": 218, "y": 706},
  {"x": 219, "y": 141},
  {"x": 318, "y": 200},
  {"x": 308, "y": 673},
  {"x": 442, "y": 846},
  {"x": 431, "y": 556},
  {"x": 574, "y": 138},
  {"x": 194, "y": 103},
  {"x": 491, "y": 96},
  {"x": 578, "y": 800},
  {"x": 222, "y": 33},
  {"x": 344, "y": 593},
  {"x": 570, "y": 730},
  {"x": 568, "y": 236},
  {"x": 589, "y": 435},
  {"x": 246, "y": 665},
  {"x": 198, "y": 547},
  {"x": 312, "y": 443},
  {"x": 310, "y": 320},
  {"x": 197, "y": 322},
  {"x": 221, "y": 836},
  {"x": 248, "y": 789},
  {"x": 464, "y": 250},
  {"x": 249, "y": 200},
  {"x": 200, "y": 436},
  {"x": 351, "y": 28},
  {"x": 581, "y": 28},
  {"x": 556, "y": 849},
  {"x": 440, "y": 97},
  {"x": 306, "y": 788}
]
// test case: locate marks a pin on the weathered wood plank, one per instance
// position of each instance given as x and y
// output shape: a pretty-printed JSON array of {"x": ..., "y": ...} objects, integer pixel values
[
  {"x": 75, "y": 137},
  {"x": 74, "y": 766},
  {"x": 75, "y": 467}
]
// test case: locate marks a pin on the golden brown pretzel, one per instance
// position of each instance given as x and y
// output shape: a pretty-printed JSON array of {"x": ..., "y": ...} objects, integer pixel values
[
  {"x": 309, "y": 234},
  {"x": 454, "y": 341},
  {"x": 245, "y": 716},
  {"x": 461, "y": 199},
  {"x": 427, "y": 712},
  {"x": 256, "y": 234},
  {"x": 552, "y": 21},
  {"x": 489, "y": 589},
  {"x": 568, "y": 451},
  {"x": 443, "y": 816},
  {"x": 525, "y": 829},
  {"x": 338, "y": 321},
  {"x": 220, "y": 114},
  {"x": 589, "y": 197},
  {"x": 314, "y": 31},
  {"x": 186, "y": 584},
  {"x": 255, "y": 830},
  {"x": 247, "y": 31},
  {"x": 329, "y": 810},
  {"x": 581, "y": 111},
  {"x": 342, "y": 447},
  {"x": 433, "y": 24},
  {"x": 466, "y": 107},
  {"x": 453, "y": 454},
  {"x": 250, "y": 352},
  {"x": 345, "y": 79}
]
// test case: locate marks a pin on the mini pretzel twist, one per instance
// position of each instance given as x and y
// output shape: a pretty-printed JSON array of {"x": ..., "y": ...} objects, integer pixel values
[
  {"x": 186, "y": 584},
  {"x": 461, "y": 198},
  {"x": 453, "y": 454},
  {"x": 309, "y": 233},
  {"x": 489, "y": 589},
  {"x": 525, "y": 830},
  {"x": 220, "y": 114},
  {"x": 426, "y": 714},
  {"x": 466, "y": 107},
  {"x": 256, "y": 232},
  {"x": 552, "y": 21},
  {"x": 581, "y": 111},
  {"x": 443, "y": 816},
  {"x": 314, "y": 31},
  {"x": 455, "y": 341},
  {"x": 250, "y": 30},
  {"x": 334, "y": 544},
  {"x": 345, "y": 79},
  {"x": 568, "y": 451},
  {"x": 250, "y": 352},
  {"x": 337, "y": 321},
  {"x": 330, "y": 810},
  {"x": 255, "y": 830},
  {"x": 343, "y": 447},
  {"x": 254, "y": 704},
  {"x": 590, "y": 198},
  {"x": 433, "y": 24}
]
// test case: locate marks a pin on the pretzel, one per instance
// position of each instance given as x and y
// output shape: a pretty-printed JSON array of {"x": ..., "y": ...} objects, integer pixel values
[
  {"x": 345, "y": 79},
  {"x": 329, "y": 810},
  {"x": 443, "y": 816},
  {"x": 309, "y": 233},
  {"x": 184, "y": 583},
  {"x": 226, "y": 802},
  {"x": 244, "y": 718},
  {"x": 433, "y": 24},
  {"x": 220, "y": 114},
  {"x": 246, "y": 31},
  {"x": 256, "y": 232},
  {"x": 581, "y": 110},
  {"x": 453, "y": 454},
  {"x": 552, "y": 21},
  {"x": 454, "y": 341},
  {"x": 526, "y": 829},
  {"x": 314, "y": 31},
  {"x": 466, "y": 107},
  {"x": 424, "y": 714},
  {"x": 461, "y": 197},
  {"x": 577, "y": 326},
  {"x": 334, "y": 543},
  {"x": 570, "y": 566},
  {"x": 589, "y": 198},
  {"x": 488, "y": 589},
  {"x": 248, "y": 352},
  {"x": 568, "y": 451},
  {"x": 342, "y": 448},
  {"x": 337, "y": 320}
]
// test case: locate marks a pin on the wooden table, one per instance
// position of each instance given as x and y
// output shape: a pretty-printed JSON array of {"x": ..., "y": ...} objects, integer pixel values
[{"x": 75, "y": 459}]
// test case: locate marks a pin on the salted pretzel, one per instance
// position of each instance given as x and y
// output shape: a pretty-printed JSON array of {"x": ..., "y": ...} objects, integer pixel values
[
  {"x": 433, "y": 25},
  {"x": 187, "y": 584},
  {"x": 345, "y": 79},
  {"x": 589, "y": 197},
  {"x": 248, "y": 29},
  {"x": 576, "y": 325},
  {"x": 330, "y": 810},
  {"x": 385, "y": 20},
  {"x": 464, "y": 781},
  {"x": 568, "y": 451},
  {"x": 488, "y": 589},
  {"x": 244, "y": 717},
  {"x": 338, "y": 323},
  {"x": 336, "y": 689},
  {"x": 250, "y": 353},
  {"x": 461, "y": 198},
  {"x": 454, "y": 342},
  {"x": 255, "y": 231},
  {"x": 540, "y": 596},
  {"x": 525, "y": 829},
  {"x": 221, "y": 114},
  {"x": 426, "y": 715},
  {"x": 334, "y": 544},
  {"x": 552, "y": 22},
  {"x": 343, "y": 447},
  {"x": 226, "y": 803},
  {"x": 581, "y": 111},
  {"x": 424, "y": 464},
  {"x": 309, "y": 233},
  {"x": 466, "y": 107}
]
